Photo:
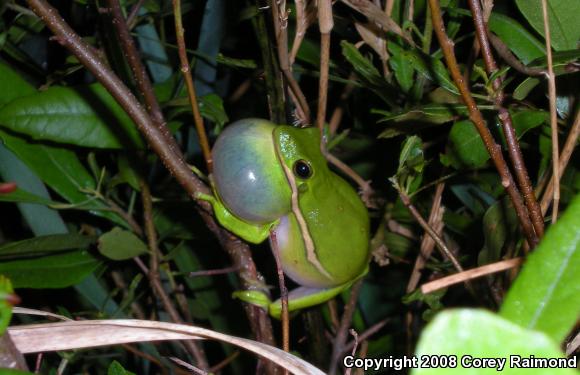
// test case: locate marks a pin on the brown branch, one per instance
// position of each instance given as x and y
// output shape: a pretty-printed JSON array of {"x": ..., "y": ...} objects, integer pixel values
[
  {"x": 325, "y": 24},
  {"x": 345, "y": 321},
  {"x": 376, "y": 15},
  {"x": 504, "y": 52},
  {"x": 114, "y": 207},
  {"x": 473, "y": 273},
  {"x": 140, "y": 74},
  {"x": 553, "y": 116},
  {"x": 445, "y": 251},
  {"x": 564, "y": 159},
  {"x": 201, "y": 134},
  {"x": 514, "y": 151},
  {"x": 476, "y": 117},
  {"x": 132, "y": 17},
  {"x": 236, "y": 249},
  {"x": 366, "y": 335},
  {"x": 221, "y": 271},
  {"x": 427, "y": 243},
  {"x": 283, "y": 294},
  {"x": 304, "y": 18},
  {"x": 280, "y": 21},
  {"x": 338, "y": 112},
  {"x": 192, "y": 347}
]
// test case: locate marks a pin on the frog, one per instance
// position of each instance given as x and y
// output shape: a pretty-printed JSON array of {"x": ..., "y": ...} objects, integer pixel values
[{"x": 273, "y": 181}]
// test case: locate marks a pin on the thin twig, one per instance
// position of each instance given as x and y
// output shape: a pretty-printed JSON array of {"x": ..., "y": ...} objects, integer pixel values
[
  {"x": 378, "y": 16},
  {"x": 504, "y": 52},
  {"x": 221, "y": 271},
  {"x": 140, "y": 74},
  {"x": 366, "y": 335},
  {"x": 553, "y": 115},
  {"x": 473, "y": 273},
  {"x": 345, "y": 321},
  {"x": 438, "y": 240},
  {"x": 226, "y": 361},
  {"x": 564, "y": 158},
  {"x": 304, "y": 17},
  {"x": 114, "y": 207},
  {"x": 272, "y": 72},
  {"x": 146, "y": 356},
  {"x": 132, "y": 17},
  {"x": 476, "y": 117},
  {"x": 514, "y": 151},
  {"x": 193, "y": 347},
  {"x": 338, "y": 112},
  {"x": 280, "y": 21},
  {"x": 325, "y": 24},
  {"x": 283, "y": 294},
  {"x": 186, "y": 71},
  {"x": 427, "y": 243}
]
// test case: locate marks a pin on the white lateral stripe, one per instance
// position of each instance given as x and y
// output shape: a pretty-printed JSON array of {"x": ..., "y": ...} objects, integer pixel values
[{"x": 308, "y": 243}]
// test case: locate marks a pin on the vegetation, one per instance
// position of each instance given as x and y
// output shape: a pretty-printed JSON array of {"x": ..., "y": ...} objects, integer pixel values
[{"x": 448, "y": 115}]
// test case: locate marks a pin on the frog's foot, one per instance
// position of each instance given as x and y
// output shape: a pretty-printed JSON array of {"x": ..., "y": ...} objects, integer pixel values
[
  {"x": 303, "y": 297},
  {"x": 254, "y": 233},
  {"x": 205, "y": 197},
  {"x": 254, "y": 297}
]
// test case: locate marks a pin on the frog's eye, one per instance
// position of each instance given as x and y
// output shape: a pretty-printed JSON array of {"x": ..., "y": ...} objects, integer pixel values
[{"x": 302, "y": 169}]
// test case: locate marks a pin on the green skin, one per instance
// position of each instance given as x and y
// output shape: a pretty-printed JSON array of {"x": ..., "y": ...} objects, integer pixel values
[{"x": 315, "y": 218}]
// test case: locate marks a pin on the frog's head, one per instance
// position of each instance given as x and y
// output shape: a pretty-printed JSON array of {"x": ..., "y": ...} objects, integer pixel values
[
  {"x": 247, "y": 174},
  {"x": 299, "y": 151}
]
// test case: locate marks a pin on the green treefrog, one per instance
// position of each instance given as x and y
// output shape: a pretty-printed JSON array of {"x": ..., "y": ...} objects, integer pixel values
[{"x": 270, "y": 179}]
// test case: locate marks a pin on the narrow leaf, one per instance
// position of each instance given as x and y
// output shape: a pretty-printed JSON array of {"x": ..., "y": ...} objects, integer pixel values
[
  {"x": 53, "y": 271},
  {"x": 43, "y": 244}
]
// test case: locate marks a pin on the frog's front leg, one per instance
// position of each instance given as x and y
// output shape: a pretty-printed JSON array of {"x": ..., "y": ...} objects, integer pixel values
[
  {"x": 254, "y": 233},
  {"x": 299, "y": 298}
]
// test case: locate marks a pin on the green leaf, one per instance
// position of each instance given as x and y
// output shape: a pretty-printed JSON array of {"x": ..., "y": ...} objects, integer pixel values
[
  {"x": 546, "y": 294},
  {"x": 368, "y": 72},
  {"x": 51, "y": 271},
  {"x": 434, "y": 113},
  {"x": 402, "y": 65},
  {"x": 211, "y": 107},
  {"x": 39, "y": 218},
  {"x": 119, "y": 244},
  {"x": 23, "y": 196},
  {"x": 463, "y": 333},
  {"x": 433, "y": 69},
  {"x": 411, "y": 164},
  {"x": 61, "y": 170},
  {"x": 499, "y": 224},
  {"x": 6, "y": 294},
  {"x": 84, "y": 116},
  {"x": 12, "y": 85},
  {"x": 563, "y": 20},
  {"x": 44, "y": 244},
  {"x": 467, "y": 148},
  {"x": 523, "y": 44},
  {"x": 561, "y": 61},
  {"x": 115, "y": 368},
  {"x": 528, "y": 119},
  {"x": 236, "y": 63}
]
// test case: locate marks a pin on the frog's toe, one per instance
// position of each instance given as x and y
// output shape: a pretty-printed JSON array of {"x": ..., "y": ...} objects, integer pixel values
[
  {"x": 303, "y": 297},
  {"x": 253, "y": 297}
]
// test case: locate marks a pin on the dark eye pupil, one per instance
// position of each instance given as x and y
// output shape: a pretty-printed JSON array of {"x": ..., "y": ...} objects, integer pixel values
[{"x": 302, "y": 169}]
